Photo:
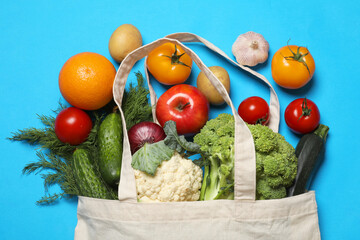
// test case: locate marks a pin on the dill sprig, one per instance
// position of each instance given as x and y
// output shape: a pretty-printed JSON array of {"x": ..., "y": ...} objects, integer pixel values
[
  {"x": 60, "y": 173},
  {"x": 135, "y": 103}
]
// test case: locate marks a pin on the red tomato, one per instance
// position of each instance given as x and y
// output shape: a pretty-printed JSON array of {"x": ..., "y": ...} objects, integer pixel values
[
  {"x": 302, "y": 116},
  {"x": 72, "y": 126},
  {"x": 254, "y": 110},
  {"x": 185, "y": 105}
]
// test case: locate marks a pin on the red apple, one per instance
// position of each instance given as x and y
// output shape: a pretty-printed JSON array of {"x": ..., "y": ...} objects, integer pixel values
[{"x": 185, "y": 105}]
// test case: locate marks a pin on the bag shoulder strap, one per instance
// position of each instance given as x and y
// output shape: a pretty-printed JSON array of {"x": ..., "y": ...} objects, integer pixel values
[
  {"x": 245, "y": 162},
  {"x": 274, "y": 101}
]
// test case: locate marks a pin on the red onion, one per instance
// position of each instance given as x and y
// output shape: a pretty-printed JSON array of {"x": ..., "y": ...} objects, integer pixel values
[{"x": 144, "y": 132}]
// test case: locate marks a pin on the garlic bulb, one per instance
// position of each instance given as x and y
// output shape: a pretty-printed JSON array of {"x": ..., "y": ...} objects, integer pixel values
[{"x": 250, "y": 49}]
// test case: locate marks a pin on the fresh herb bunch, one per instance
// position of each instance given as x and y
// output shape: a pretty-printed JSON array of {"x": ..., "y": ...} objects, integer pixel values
[
  {"x": 47, "y": 139},
  {"x": 55, "y": 157},
  {"x": 135, "y": 104}
]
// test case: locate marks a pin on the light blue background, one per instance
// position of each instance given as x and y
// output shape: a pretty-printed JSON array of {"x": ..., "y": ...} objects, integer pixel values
[{"x": 37, "y": 37}]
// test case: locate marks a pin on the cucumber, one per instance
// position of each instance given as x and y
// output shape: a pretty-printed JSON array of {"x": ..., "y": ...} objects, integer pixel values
[
  {"x": 110, "y": 148},
  {"x": 309, "y": 153},
  {"x": 87, "y": 179}
]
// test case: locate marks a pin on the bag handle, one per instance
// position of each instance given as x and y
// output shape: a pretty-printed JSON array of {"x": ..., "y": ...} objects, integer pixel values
[
  {"x": 274, "y": 101},
  {"x": 245, "y": 162}
]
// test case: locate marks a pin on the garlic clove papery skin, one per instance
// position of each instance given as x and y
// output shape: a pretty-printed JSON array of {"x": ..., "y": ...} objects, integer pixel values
[{"x": 250, "y": 49}]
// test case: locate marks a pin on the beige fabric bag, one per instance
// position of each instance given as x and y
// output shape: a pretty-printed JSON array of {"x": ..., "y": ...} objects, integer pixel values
[{"x": 242, "y": 218}]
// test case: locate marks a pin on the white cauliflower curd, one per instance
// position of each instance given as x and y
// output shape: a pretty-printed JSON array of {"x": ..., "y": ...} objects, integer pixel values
[{"x": 177, "y": 179}]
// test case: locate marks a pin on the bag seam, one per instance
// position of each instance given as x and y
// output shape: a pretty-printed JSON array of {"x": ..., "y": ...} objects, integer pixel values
[{"x": 230, "y": 218}]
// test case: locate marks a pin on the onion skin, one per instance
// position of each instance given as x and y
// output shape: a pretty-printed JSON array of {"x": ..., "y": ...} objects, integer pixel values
[{"x": 145, "y": 132}]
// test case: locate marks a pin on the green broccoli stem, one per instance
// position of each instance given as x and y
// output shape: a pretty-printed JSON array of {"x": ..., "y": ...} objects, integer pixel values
[
  {"x": 214, "y": 176},
  {"x": 322, "y": 131},
  {"x": 205, "y": 182},
  {"x": 225, "y": 190},
  {"x": 213, "y": 180},
  {"x": 218, "y": 178}
]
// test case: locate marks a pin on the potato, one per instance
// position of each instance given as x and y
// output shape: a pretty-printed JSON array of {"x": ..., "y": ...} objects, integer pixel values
[
  {"x": 124, "y": 40},
  {"x": 205, "y": 86}
]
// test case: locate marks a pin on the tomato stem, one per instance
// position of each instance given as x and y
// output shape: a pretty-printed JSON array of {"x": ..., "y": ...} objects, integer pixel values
[
  {"x": 297, "y": 56},
  {"x": 306, "y": 111},
  {"x": 175, "y": 58},
  {"x": 261, "y": 120}
]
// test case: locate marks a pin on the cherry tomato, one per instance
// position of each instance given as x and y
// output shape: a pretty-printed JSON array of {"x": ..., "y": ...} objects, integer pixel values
[
  {"x": 302, "y": 116},
  {"x": 292, "y": 66},
  {"x": 169, "y": 64},
  {"x": 72, "y": 126},
  {"x": 254, "y": 110}
]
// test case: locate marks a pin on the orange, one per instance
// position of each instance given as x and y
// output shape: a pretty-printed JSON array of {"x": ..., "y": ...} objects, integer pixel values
[{"x": 86, "y": 80}]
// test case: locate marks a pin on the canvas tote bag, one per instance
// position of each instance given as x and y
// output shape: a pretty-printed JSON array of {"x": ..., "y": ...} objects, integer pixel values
[{"x": 242, "y": 218}]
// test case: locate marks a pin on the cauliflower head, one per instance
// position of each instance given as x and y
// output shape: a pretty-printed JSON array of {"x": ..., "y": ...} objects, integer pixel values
[{"x": 177, "y": 179}]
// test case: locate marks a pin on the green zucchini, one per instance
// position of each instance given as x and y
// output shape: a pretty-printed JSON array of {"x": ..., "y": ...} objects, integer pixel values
[
  {"x": 309, "y": 152},
  {"x": 110, "y": 148},
  {"x": 88, "y": 180}
]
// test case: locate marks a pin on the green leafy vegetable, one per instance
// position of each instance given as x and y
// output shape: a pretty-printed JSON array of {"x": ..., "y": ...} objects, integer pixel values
[
  {"x": 135, "y": 103},
  {"x": 61, "y": 174},
  {"x": 150, "y": 156},
  {"x": 179, "y": 143}
]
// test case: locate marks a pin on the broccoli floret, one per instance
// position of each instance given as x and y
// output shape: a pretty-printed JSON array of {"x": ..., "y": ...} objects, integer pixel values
[
  {"x": 264, "y": 191},
  {"x": 264, "y": 138},
  {"x": 216, "y": 140},
  {"x": 276, "y": 163}
]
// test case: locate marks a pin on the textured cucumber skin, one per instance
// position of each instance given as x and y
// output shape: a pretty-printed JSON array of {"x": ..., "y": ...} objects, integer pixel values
[
  {"x": 110, "y": 148},
  {"x": 89, "y": 183}
]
